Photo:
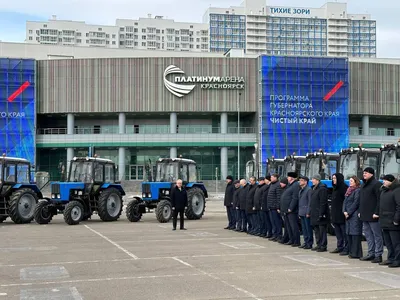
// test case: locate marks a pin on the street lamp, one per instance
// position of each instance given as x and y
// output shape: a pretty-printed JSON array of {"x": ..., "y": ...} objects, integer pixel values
[
  {"x": 256, "y": 160},
  {"x": 238, "y": 132}
]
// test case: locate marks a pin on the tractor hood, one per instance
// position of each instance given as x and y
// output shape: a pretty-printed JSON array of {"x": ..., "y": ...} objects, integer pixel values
[{"x": 60, "y": 191}]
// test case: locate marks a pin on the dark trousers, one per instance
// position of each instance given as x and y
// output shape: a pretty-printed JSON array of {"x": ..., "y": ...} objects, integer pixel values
[
  {"x": 250, "y": 221},
  {"x": 341, "y": 237},
  {"x": 276, "y": 221},
  {"x": 307, "y": 231},
  {"x": 294, "y": 229},
  {"x": 373, "y": 234},
  {"x": 321, "y": 235},
  {"x": 257, "y": 221},
  {"x": 230, "y": 212},
  {"x": 266, "y": 227},
  {"x": 354, "y": 245},
  {"x": 243, "y": 220},
  {"x": 287, "y": 234},
  {"x": 392, "y": 241},
  {"x": 181, "y": 218},
  {"x": 238, "y": 219}
]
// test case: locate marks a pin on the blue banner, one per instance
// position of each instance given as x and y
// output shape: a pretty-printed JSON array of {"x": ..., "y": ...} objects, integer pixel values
[{"x": 304, "y": 105}]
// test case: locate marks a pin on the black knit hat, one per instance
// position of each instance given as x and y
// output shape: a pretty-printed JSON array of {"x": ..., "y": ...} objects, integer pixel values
[
  {"x": 284, "y": 180},
  {"x": 389, "y": 177},
  {"x": 229, "y": 177},
  {"x": 268, "y": 177},
  {"x": 292, "y": 174},
  {"x": 369, "y": 170}
]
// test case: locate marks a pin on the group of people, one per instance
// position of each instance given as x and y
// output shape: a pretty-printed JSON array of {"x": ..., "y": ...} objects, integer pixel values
[{"x": 280, "y": 209}]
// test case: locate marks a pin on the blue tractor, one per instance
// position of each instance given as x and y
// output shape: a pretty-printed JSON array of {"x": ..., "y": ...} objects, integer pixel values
[
  {"x": 91, "y": 186},
  {"x": 156, "y": 194}
]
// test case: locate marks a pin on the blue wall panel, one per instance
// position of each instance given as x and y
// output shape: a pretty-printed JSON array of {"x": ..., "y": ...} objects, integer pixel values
[
  {"x": 17, "y": 116},
  {"x": 294, "y": 115}
]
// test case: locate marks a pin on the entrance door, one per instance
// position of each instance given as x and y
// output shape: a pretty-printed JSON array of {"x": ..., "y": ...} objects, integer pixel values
[{"x": 136, "y": 172}]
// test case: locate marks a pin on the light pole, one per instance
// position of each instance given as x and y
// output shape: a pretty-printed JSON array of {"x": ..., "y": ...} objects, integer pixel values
[
  {"x": 256, "y": 160},
  {"x": 238, "y": 132}
]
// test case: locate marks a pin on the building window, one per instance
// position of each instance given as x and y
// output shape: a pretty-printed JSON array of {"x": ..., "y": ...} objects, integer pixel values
[
  {"x": 390, "y": 131},
  {"x": 360, "y": 131}
]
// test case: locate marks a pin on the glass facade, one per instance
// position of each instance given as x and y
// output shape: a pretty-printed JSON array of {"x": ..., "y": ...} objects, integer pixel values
[
  {"x": 362, "y": 38},
  {"x": 227, "y": 32}
]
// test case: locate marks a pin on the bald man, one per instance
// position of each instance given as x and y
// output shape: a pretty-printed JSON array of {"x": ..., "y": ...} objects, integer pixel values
[{"x": 179, "y": 202}]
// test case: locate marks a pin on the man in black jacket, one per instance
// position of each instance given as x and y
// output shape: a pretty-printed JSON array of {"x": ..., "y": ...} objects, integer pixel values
[
  {"x": 266, "y": 226},
  {"x": 179, "y": 202},
  {"x": 257, "y": 206},
  {"x": 228, "y": 203},
  {"x": 242, "y": 206},
  {"x": 236, "y": 204},
  {"x": 369, "y": 215},
  {"x": 274, "y": 196},
  {"x": 250, "y": 208}
]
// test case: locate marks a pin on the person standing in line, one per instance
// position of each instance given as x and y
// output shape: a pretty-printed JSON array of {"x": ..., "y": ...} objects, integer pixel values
[
  {"x": 179, "y": 202},
  {"x": 242, "y": 205},
  {"x": 236, "y": 204},
  {"x": 350, "y": 209},
  {"x": 257, "y": 206},
  {"x": 274, "y": 196},
  {"x": 338, "y": 219},
  {"x": 290, "y": 208},
  {"x": 266, "y": 226},
  {"x": 285, "y": 238},
  {"x": 369, "y": 214},
  {"x": 250, "y": 208},
  {"x": 304, "y": 203},
  {"x": 319, "y": 213},
  {"x": 228, "y": 203},
  {"x": 389, "y": 213}
]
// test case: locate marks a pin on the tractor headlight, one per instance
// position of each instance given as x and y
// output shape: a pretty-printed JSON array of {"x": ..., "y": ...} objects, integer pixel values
[
  {"x": 53, "y": 195},
  {"x": 80, "y": 193},
  {"x": 166, "y": 192},
  {"x": 144, "y": 195},
  {"x": 59, "y": 196},
  {"x": 149, "y": 195}
]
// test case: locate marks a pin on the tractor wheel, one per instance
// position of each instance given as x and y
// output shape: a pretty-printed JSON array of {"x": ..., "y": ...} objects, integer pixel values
[
  {"x": 21, "y": 206},
  {"x": 43, "y": 214},
  {"x": 196, "y": 204},
  {"x": 132, "y": 211},
  {"x": 73, "y": 213},
  {"x": 2, "y": 219},
  {"x": 164, "y": 211},
  {"x": 110, "y": 205}
]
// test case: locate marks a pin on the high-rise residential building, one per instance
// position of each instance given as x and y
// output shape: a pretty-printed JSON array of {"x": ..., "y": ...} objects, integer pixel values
[
  {"x": 148, "y": 33},
  {"x": 325, "y": 31}
]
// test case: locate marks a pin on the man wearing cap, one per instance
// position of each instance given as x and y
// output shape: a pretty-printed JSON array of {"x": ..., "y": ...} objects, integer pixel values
[
  {"x": 274, "y": 197},
  {"x": 236, "y": 204},
  {"x": 390, "y": 219},
  {"x": 319, "y": 213},
  {"x": 304, "y": 203},
  {"x": 228, "y": 202},
  {"x": 266, "y": 226},
  {"x": 290, "y": 209},
  {"x": 242, "y": 205},
  {"x": 257, "y": 206},
  {"x": 369, "y": 215}
]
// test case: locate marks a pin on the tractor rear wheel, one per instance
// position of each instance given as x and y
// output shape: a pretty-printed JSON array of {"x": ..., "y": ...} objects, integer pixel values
[
  {"x": 164, "y": 211},
  {"x": 110, "y": 205},
  {"x": 133, "y": 213},
  {"x": 2, "y": 219},
  {"x": 43, "y": 214},
  {"x": 21, "y": 206},
  {"x": 73, "y": 213},
  {"x": 196, "y": 204}
]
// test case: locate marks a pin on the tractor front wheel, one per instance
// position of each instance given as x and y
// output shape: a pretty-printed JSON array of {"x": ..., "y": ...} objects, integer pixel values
[
  {"x": 73, "y": 213},
  {"x": 164, "y": 211},
  {"x": 133, "y": 213},
  {"x": 110, "y": 205},
  {"x": 196, "y": 204},
  {"x": 21, "y": 206},
  {"x": 43, "y": 214}
]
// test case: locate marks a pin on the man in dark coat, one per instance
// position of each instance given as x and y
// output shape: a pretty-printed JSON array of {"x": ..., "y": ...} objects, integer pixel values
[
  {"x": 228, "y": 203},
  {"x": 257, "y": 206},
  {"x": 236, "y": 204},
  {"x": 285, "y": 238},
  {"x": 266, "y": 226},
  {"x": 242, "y": 205},
  {"x": 319, "y": 213},
  {"x": 337, "y": 217},
  {"x": 290, "y": 209},
  {"x": 389, "y": 220},
  {"x": 274, "y": 196},
  {"x": 304, "y": 203},
  {"x": 250, "y": 208},
  {"x": 179, "y": 202},
  {"x": 369, "y": 215}
]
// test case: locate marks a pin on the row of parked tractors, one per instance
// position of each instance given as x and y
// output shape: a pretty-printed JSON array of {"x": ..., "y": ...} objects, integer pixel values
[{"x": 91, "y": 187}]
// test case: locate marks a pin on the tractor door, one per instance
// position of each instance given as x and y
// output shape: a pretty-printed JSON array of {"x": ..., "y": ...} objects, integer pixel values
[{"x": 184, "y": 173}]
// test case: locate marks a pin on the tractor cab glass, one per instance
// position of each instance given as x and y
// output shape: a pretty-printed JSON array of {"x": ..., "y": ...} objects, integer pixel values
[
  {"x": 167, "y": 171},
  {"x": 15, "y": 172},
  {"x": 81, "y": 171},
  {"x": 312, "y": 166},
  {"x": 349, "y": 165},
  {"x": 390, "y": 163}
]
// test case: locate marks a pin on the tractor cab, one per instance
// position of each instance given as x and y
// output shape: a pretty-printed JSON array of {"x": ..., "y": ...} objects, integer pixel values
[
  {"x": 390, "y": 160},
  {"x": 354, "y": 160},
  {"x": 322, "y": 163},
  {"x": 172, "y": 169},
  {"x": 293, "y": 163},
  {"x": 275, "y": 166}
]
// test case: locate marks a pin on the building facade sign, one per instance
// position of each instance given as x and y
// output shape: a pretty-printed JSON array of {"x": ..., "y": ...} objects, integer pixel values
[{"x": 289, "y": 11}]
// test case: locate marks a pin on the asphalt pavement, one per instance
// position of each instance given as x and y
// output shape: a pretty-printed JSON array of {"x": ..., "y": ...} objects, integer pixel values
[{"x": 147, "y": 260}]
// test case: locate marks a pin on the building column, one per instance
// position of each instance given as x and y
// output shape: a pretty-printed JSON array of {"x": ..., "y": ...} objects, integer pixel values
[
  {"x": 70, "y": 130},
  {"x": 365, "y": 125},
  {"x": 121, "y": 163},
  {"x": 122, "y": 123},
  {"x": 224, "y": 122},
  {"x": 173, "y": 124},
  {"x": 224, "y": 162}
]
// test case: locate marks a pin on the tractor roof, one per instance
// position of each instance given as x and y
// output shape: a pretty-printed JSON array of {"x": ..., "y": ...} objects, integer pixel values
[
  {"x": 14, "y": 159},
  {"x": 358, "y": 149},
  {"x": 92, "y": 159},
  {"x": 295, "y": 157},
  {"x": 183, "y": 160},
  {"x": 319, "y": 153}
]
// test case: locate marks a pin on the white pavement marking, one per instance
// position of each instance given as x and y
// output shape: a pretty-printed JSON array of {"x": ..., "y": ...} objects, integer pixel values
[
  {"x": 43, "y": 273},
  {"x": 51, "y": 293},
  {"x": 242, "y": 245},
  {"x": 205, "y": 233},
  {"x": 247, "y": 293},
  {"x": 363, "y": 298},
  {"x": 113, "y": 243},
  {"x": 187, "y": 239},
  {"x": 21, "y": 249},
  {"x": 382, "y": 278},
  {"x": 163, "y": 226},
  {"x": 3, "y": 294},
  {"x": 315, "y": 260}
]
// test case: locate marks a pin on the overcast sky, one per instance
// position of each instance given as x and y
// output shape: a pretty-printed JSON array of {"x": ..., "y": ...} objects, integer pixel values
[{"x": 14, "y": 14}]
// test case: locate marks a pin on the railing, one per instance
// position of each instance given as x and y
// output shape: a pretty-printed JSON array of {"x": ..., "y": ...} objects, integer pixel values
[{"x": 157, "y": 129}]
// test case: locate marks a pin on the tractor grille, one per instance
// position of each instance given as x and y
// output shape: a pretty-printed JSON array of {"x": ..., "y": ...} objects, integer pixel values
[
  {"x": 55, "y": 188},
  {"x": 146, "y": 188}
]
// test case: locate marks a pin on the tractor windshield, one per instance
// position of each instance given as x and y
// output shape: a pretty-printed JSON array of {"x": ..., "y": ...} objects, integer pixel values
[
  {"x": 390, "y": 165},
  {"x": 312, "y": 167},
  {"x": 81, "y": 171},
  {"x": 349, "y": 165},
  {"x": 167, "y": 171}
]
